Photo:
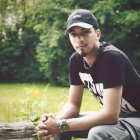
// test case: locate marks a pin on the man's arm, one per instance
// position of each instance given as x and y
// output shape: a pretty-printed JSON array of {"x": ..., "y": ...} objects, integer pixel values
[
  {"x": 72, "y": 108},
  {"x": 50, "y": 125},
  {"x": 109, "y": 114}
]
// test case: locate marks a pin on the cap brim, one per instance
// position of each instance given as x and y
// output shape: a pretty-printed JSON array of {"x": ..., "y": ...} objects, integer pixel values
[{"x": 80, "y": 24}]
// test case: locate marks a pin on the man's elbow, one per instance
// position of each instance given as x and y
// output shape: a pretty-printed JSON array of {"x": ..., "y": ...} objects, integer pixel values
[{"x": 113, "y": 118}]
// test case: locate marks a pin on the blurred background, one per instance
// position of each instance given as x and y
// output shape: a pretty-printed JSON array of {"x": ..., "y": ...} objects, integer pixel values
[
  {"x": 35, "y": 48},
  {"x": 35, "y": 51}
]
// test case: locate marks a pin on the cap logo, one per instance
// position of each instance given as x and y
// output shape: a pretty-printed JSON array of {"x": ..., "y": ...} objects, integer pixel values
[{"x": 76, "y": 16}]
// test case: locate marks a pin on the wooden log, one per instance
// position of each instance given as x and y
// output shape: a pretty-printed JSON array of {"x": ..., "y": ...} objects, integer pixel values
[{"x": 17, "y": 131}]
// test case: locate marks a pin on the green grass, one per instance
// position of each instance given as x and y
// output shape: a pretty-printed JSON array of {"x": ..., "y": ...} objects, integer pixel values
[{"x": 25, "y": 101}]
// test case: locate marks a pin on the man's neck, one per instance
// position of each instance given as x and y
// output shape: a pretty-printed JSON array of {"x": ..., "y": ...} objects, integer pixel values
[{"x": 91, "y": 57}]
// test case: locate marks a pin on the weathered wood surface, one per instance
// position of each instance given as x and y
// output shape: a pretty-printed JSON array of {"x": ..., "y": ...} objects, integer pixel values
[{"x": 17, "y": 131}]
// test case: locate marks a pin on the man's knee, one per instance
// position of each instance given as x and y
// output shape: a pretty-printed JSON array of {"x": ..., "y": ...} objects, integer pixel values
[
  {"x": 97, "y": 133},
  {"x": 105, "y": 132}
]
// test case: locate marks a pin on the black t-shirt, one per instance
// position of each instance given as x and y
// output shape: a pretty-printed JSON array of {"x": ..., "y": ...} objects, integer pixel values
[{"x": 111, "y": 68}]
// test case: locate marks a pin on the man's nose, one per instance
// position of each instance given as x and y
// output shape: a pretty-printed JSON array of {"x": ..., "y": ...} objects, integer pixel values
[{"x": 79, "y": 38}]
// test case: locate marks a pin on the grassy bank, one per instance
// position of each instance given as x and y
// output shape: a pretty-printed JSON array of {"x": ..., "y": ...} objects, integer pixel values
[{"x": 25, "y": 101}]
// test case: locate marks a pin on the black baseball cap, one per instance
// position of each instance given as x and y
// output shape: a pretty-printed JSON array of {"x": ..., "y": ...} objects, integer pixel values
[{"x": 82, "y": 18}]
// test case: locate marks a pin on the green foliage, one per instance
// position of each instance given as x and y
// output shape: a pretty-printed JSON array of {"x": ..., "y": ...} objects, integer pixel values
[
  {"x": 117, "y": 18},
  {"x": 9, "y": 52},
  {"x": 30, "y": 101},
  {"x": 54, "y": 48},
  {"x": 27, "y": 67},
  {"x": 36, "y": 48},
  {"x": 18, "y": 43}
]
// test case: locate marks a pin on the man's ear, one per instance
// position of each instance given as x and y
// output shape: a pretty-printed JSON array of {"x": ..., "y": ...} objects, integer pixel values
[{"x": 98, "y": 32}]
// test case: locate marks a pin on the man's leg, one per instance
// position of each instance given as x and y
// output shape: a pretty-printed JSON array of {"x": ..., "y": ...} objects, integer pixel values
[
  {"x": 133, "y": 126},
  {"x": 108, "y": 132},
  {"x": 126, "y": 129}
]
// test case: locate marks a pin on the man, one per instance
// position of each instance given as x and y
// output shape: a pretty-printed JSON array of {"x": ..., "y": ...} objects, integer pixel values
[{"x": 109, "y": 76}]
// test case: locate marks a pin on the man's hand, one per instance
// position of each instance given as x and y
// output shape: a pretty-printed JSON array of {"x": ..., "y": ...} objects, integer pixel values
[{"x": 48, "y": 127}]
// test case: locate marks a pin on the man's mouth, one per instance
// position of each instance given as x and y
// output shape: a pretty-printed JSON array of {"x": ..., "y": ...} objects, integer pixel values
[{"x": 81, "y": 46}]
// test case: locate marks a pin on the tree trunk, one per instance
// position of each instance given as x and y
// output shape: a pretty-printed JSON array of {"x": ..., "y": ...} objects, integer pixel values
[{"x": 17, "y": 131}]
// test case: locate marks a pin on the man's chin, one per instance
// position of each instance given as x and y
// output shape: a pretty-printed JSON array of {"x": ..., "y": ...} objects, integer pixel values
[{"x": 83, "y": 54}]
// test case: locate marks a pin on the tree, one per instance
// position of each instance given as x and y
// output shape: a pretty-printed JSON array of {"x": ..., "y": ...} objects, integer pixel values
[
  {"x": 36, "y": 44},
  {"x": 18, "y": 43},
  {"x": 54, "y": 49}
]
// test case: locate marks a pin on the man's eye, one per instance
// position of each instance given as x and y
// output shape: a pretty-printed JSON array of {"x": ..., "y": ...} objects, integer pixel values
[
  {"x": 73, "y": 34},
  {"x": 86, "y": 32}
]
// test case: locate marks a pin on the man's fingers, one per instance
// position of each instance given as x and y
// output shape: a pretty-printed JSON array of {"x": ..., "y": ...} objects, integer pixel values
[
  {"x": 42, "y": 130},
  {"x": 46, "y": 137},
  {"x": 41, "y": 126},
  {"x": 44, "y": 118},
  {"x": 43, "y": 133}
]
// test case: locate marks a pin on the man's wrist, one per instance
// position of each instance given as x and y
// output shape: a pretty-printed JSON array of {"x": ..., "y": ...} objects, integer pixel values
[{"x": 64, "y": 127}]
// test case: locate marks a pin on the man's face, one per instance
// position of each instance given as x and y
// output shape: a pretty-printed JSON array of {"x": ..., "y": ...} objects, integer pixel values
[{"x": 85, "y": 41}]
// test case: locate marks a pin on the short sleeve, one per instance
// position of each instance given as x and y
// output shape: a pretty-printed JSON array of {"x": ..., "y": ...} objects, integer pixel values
[
  {"x": 74, "y": 70},
  {"x": 112, "y": 69}
]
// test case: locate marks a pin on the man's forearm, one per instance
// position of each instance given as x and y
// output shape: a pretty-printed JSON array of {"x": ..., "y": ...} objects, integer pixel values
[
  {"x": 88, "y": 121},
  {"x": 69, "y": 111}
]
